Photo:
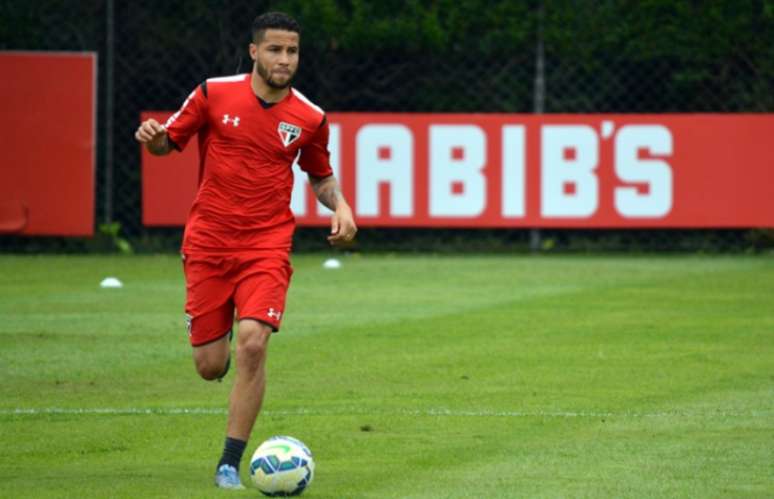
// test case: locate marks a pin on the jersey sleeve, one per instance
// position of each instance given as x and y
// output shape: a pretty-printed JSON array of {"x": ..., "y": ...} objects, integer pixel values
[
  {"x": 315, "y": 158},
  {"x": 191, "y": 117}
]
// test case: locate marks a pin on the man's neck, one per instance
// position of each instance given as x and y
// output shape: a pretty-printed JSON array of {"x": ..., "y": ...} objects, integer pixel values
[{"x": 264, "y": 91}]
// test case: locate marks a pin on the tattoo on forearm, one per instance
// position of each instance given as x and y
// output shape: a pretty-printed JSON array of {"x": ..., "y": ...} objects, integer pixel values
[{"x": 328, "y": 192}]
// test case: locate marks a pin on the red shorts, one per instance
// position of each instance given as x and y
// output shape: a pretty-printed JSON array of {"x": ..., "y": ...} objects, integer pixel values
[{"x": 255, "y": 284}]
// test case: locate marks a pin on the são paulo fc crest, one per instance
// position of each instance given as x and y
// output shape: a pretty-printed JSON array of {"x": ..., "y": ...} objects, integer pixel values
[{"x": 288, "y": 133}]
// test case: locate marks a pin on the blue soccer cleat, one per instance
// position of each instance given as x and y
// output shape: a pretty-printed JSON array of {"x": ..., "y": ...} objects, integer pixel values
[{"x": 227, "y": 477}]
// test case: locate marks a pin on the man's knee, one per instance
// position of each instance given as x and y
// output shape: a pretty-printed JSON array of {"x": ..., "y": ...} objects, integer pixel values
[
  {"x": 210, "y": 369},
  {"x": 212, "y": 360},
  {"x": 252, "y": 340}
]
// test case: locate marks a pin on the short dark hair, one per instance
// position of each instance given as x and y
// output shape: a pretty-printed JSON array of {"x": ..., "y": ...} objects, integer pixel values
[{"x": 273, "y": 20}]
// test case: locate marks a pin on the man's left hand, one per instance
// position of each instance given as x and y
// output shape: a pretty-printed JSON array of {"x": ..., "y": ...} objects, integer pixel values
[{"x": 343, "y": 228}]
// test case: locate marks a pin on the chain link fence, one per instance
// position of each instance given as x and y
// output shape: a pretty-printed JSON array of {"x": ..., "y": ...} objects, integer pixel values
[{"x": 420, "y": 56}]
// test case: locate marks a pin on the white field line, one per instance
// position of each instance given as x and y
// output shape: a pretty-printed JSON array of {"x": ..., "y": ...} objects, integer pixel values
[{"x": 438, "y": 412}]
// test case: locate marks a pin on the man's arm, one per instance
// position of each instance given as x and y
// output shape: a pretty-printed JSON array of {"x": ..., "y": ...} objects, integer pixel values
[
  {"x": 154, "y": 136},
  {"x": 328, "y": 192}
]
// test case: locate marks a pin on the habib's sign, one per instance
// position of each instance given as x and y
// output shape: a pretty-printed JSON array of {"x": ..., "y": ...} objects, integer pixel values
[{"x": 510, "y": 170}]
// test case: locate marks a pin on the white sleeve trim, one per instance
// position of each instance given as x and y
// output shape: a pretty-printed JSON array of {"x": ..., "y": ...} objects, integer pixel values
[
  {"x": 174, "y": 116},
  {"x": 239, "y": 77},
  {"x": 311, "y": 104}
]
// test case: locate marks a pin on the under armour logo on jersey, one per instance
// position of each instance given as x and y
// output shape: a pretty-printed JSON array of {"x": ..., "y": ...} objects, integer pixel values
[
  {"x": 234, "y": 120},
  {"x": 276, "y": 314},
  {"x": 288, "y": 133}
]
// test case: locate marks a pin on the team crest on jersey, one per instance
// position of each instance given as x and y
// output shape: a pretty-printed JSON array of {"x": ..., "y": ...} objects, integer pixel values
[{"x": 288, "y": 133}]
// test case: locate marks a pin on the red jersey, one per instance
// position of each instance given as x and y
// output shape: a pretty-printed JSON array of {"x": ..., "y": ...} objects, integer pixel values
[{"x": 246, "y": 151}]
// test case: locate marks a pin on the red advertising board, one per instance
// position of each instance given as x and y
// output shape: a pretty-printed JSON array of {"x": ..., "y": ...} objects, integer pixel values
[
  {"x": 510, "y": 170},
  {"x": 47, "y": 163}
]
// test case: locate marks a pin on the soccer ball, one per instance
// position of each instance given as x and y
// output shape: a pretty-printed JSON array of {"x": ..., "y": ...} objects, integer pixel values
[{"x": 282, "y": 466}]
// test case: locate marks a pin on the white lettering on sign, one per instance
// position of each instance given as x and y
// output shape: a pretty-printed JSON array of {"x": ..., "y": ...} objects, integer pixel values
[
  {"x": 514, "y": 172},
  {"x": 654, "y": 174},
  {"x": 384, "y": 154},
  {"x": 569, "y": 186},
  {"x": 298, "y": 198},
  {"x": 459, "y": 172},
  {"x": 457, "y": 183}
]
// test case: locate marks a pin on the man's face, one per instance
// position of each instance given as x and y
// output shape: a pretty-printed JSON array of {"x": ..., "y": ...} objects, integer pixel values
[{"x": 276, "y": 57}]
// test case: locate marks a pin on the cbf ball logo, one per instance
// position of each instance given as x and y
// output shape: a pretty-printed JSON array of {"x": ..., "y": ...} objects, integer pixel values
[{"x": 288, "y": 133}]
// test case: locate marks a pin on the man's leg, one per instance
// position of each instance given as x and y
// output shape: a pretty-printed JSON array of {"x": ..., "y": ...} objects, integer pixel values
[
  {"x": 247, "y": 394},
  {"x": 209, "y": 309},
  {"x": 210, "y": 334},
  {"x": 246, "y": 398},
  {"x": 211, "y": 360},
  {"x": 259, "y": 297}
]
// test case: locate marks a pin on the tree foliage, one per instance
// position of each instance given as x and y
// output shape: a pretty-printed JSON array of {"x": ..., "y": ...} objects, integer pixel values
[{"x": 646, "y": 56}]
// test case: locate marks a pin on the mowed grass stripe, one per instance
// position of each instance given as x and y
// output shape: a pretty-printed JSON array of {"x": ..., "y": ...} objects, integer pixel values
[{"x": 594, "y": 341}]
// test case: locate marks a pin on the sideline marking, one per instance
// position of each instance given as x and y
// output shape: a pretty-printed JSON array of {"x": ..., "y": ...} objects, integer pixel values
[{"x": 436, "y": 412}]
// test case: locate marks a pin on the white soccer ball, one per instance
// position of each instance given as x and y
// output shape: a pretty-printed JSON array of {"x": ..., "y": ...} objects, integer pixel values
[{"x": 282, "y": 466}]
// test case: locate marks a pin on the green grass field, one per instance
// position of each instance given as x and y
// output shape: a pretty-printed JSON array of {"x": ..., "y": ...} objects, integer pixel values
[{"x": 408, "y": 376}]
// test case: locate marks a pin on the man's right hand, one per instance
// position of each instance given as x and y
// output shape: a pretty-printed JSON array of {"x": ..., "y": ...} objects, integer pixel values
[{"x": 154, "y": 136}]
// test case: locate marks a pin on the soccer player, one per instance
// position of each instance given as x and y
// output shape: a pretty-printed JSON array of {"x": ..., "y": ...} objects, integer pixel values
[{"x": 251, "y": 127}]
